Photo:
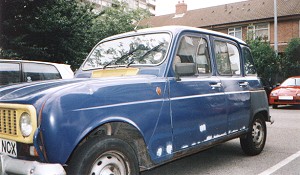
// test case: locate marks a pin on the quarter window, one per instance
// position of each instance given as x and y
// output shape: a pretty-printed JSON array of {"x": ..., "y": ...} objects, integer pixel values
[
  {"x": 227, "y": 58},
  {"x": 248, "y": 62},
  {"x": 259, "y": 31},
  {"x": 236, "y": 32}
]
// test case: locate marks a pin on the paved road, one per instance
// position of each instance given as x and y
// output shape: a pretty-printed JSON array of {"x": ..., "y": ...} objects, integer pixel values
[{"x": 281, "y": 155}]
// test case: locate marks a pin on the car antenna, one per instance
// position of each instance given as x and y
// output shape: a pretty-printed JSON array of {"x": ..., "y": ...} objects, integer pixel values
[{"x": 138, "y": 23}]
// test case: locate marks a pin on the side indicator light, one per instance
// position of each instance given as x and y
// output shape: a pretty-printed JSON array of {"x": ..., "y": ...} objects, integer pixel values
[{"x": 158, "y": 90}]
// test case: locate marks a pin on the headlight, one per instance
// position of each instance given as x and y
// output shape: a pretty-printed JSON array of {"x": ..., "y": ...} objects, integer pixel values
[
  {"x": 274, "y": 94},
  {"x": 25, "y": 124}
]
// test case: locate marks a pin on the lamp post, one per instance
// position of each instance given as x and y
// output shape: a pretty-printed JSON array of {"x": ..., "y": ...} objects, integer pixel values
[{"x": 275, "y": 28}]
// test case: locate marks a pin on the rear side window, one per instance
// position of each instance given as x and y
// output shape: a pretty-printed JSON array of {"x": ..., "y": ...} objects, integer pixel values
[
  {"x": 227, "y": 58},
  {"x": 9, "y": 73},
  {"x": 35, "y": 72}
]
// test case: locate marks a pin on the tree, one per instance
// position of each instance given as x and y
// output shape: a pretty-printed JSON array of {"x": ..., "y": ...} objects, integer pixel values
[
  {"x": 58, "y": 30},
  {"x": 55, "y": 30},
  {"x": 14, "y": 17},
  {"x": 291, "y": 60},
  {"x": 265, "y": 60},
  {"x": 118, "y": 19}
]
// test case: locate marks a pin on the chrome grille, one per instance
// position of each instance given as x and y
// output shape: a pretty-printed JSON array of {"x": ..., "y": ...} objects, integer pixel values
[{"x": 8, "y": 122}]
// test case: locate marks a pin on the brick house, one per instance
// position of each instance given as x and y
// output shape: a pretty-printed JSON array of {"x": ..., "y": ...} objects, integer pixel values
[{"x": 246, "y": 19}]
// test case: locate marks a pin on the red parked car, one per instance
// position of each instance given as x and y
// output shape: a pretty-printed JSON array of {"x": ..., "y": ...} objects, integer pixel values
[{"x": 288, "y": 93}]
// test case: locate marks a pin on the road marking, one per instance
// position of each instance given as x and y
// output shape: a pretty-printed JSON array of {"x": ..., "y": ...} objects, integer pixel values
[{"x": 281, "y": 164}]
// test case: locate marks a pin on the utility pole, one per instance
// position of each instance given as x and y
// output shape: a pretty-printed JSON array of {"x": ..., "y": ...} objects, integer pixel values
[{"x": 275, "y": 28}]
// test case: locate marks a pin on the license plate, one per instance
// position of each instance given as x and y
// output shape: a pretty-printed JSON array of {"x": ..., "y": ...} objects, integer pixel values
[
  {"x": 8, "y": 147},
  {"x": 285, "y": 97}
]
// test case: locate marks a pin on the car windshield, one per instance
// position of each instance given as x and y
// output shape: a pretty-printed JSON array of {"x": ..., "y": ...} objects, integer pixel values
[
  {"x": 291, "y": 82},
  {"x": 148, "y": 49}
]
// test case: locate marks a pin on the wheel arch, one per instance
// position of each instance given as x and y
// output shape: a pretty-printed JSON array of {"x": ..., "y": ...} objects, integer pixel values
[
  {"x": 125, "y": 130},
  {"x": 263, "y": 113},
  {"x": 259, "y": 105},
  {"x": 256, "y": 113}
]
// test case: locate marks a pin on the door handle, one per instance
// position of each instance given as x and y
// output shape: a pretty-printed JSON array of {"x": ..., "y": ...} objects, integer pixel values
[
  {"x": 215, "y": 85},
  {"x": 244, "y": 84}
]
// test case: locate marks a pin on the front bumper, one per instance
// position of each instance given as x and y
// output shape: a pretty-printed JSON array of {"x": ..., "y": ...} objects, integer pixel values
[{"x": 10, "y": 165}]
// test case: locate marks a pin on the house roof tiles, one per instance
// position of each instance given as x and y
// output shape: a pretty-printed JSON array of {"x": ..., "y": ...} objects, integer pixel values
[{"x": 250, "y": 10}]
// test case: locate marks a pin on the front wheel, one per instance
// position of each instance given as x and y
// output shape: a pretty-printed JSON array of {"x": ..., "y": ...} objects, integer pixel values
[
  {"x": 253, "y": 143},
  {"x": 104, "y": 156}
]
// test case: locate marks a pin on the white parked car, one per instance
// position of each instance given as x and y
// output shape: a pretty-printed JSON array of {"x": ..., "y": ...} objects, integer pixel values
[{"x": 17, "y": 71}]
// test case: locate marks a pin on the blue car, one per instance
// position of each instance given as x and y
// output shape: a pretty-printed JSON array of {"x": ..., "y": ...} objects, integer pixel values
[{"x": 139, "y": 100}]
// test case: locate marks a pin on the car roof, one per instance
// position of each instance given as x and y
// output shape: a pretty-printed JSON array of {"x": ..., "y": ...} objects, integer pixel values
[
  {"x": 29, "y": 61},
  {"x": 176, "y": 29},
  {"x": 294, "y": 77},
  {"x": 64, "y": 69}
]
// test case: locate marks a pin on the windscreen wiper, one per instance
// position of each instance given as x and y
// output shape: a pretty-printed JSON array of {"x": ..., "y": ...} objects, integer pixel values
[
  {"x": 145, "y": 54},
  {"x": 121, "y": 58}
]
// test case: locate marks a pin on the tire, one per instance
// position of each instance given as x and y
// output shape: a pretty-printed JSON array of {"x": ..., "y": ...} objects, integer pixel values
[
  {"x": 255, "y": 140},
  {"x": 274, "y": 106},
  {"x": 108, "y": 155}
]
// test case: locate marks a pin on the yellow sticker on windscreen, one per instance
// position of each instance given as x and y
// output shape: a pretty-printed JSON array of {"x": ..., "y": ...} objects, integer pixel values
[{"x": 114, "y": 72}]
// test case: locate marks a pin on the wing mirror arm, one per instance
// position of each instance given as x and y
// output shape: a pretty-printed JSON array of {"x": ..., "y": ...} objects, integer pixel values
[{"x": 177, "y": 77}]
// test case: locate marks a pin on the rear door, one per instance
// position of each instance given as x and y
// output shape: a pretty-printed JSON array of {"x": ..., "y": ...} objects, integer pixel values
[{"x": 228, "y": 56}]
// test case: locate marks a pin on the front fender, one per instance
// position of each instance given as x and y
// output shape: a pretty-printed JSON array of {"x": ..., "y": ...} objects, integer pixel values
[{"x": 67, "y": 119}]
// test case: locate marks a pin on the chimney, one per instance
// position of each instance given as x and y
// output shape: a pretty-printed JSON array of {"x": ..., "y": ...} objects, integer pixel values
[{"x": 181, "y": 8}]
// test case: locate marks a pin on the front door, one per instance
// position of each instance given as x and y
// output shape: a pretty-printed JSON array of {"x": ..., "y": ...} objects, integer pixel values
[{"x": 198, "y": 103}]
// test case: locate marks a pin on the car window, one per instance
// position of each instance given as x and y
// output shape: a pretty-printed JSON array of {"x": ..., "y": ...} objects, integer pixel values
[
  {"x": 291, "y": 82},
  {"x": 194, "y": 51},
  {"x": 297, "y": 81},
  {"x": 149, "y": 49},
  {"x": 35, "y": 72},
  {"x": 248, "y": 62},
  {"x": 9, "y": 73},
  {"x": 227, "y": 58}
]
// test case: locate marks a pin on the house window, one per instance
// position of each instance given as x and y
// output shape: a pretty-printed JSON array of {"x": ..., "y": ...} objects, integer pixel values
[
  {"x": 235, "y": 31},
  {"x": 259, "y": 31}
]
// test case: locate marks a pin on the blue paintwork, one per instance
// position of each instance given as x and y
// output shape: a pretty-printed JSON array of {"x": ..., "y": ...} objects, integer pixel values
[
  {"x": 187, "y": 114},
  {"x": 210, "y": 110}
]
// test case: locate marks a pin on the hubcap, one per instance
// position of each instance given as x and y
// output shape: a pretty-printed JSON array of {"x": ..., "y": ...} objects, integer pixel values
[
  {"x": 109, "y": 163},
  {"x": 258, "y": 134}
]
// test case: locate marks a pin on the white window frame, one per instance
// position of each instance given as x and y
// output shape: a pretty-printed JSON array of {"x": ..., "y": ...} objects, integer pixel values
[
  {"x": 233, "y": 30},
  {"x": 254, "y": 30}
]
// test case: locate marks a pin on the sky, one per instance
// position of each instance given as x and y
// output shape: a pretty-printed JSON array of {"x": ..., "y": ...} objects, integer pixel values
[{"x": 164, "y": 7}]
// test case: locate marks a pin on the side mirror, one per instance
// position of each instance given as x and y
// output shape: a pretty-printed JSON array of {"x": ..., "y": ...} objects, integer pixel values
[{"x": 185, "y": 69}]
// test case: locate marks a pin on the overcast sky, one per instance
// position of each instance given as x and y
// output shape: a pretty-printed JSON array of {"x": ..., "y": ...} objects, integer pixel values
[{"x": 168, "y": 6}]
